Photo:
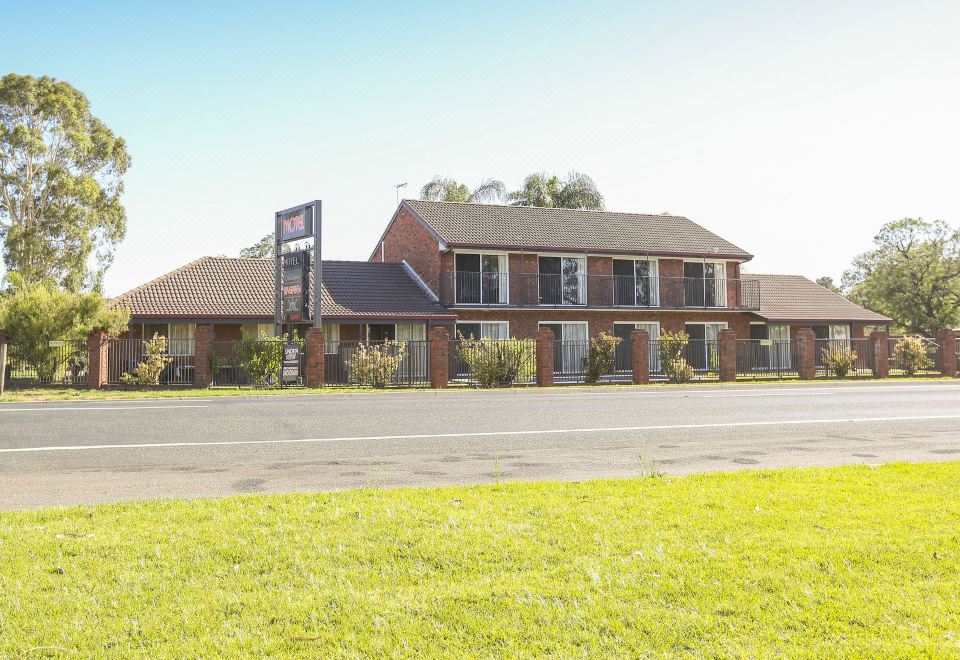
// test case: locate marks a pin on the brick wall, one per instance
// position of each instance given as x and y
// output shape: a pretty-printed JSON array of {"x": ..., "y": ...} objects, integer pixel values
[{"x": 408, "y": 240}]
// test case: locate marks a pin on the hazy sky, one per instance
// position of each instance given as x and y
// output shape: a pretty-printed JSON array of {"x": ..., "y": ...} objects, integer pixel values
[{"x": 793, "y": 129}]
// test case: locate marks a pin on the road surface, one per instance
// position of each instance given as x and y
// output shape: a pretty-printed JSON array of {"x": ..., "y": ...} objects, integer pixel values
[{"x": 99, "y": 451}]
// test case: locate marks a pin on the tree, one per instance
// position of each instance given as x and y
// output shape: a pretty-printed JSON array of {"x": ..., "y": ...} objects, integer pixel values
[
  {"x": 442, "y": 189},
  {"x": 262, "y": 249},
  {"x": 577, "y": 191},
  {"x": 61, "y": 173},
  {"x": 912, "y": 275},
  {"x": 827, "y": 283}
]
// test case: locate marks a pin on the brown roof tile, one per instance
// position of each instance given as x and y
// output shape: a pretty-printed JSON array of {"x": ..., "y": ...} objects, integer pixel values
[{"x": 795, "y": 298}]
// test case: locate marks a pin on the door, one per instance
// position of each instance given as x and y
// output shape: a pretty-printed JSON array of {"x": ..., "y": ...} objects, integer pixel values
[
  {"x": 780, "y": 350},
  {"x": 468, "y": 279},
  {"x": 550, "y": 289},
  {"x": 624, "y": 353},
  {"x": 624, "y": 291},
  {"x": 693, "y": 293}
]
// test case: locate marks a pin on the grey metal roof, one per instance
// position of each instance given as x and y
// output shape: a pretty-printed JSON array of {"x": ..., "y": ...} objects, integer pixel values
[
  {"x": 224, "y": 287},
  {"x": 795, "y": 298},
  {"x": 490, "y": 225}
]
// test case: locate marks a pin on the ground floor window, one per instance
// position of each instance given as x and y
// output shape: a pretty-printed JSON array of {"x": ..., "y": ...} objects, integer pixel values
[
  {"x": 411, "y": 331},
  {"x": 623, "y": 329},
  {"x": 483, "y": 329},
  {"x": 770, "y": 346},
  {"x": 702, "y": 351},
  {"x": 832, "y": 331},
  {"x": 570, "y": 344},
  {"x": 258, "y": 330}
]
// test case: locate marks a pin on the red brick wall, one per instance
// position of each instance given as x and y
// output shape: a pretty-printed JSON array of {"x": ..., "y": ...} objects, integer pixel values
[{"x": 408, "y": 240}]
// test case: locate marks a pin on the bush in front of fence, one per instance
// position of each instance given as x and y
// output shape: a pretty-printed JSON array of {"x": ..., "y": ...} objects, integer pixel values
[
  {"x": 910, "y": 354},
  {"x": 671, "y": 346},
  {"x": 155, "y": 360},
  {"x": 600, "y": 357},
  {"x": 261, "y": 358},
  {"x": 499, "y": 362},
  {"x": 839, "y": 358},
  {"x": 376, "y": 364}
]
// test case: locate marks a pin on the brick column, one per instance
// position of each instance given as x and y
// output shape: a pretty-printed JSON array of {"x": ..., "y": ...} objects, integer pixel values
[
  {"x": 806, "y": 354},
  {"x": 313, "y": 349},
  {"x": 880, "y": 346},
  {"x": 439, "y": 357},
  {"x": 640, "y": 345},
  {"x": 948, "y": 352},
  {"x": 727, "y": 354},
  {"x": 202, "y": 350},
  {"x": 545, "y": 357},
  {"x": 97, "y": 359}
]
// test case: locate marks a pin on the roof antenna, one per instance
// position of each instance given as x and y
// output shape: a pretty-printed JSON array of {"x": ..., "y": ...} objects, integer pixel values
[{"x": 398, "y": 187}]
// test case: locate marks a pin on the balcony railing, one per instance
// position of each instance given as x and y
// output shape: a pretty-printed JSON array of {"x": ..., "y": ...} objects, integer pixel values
[{"x": 473, "y": 289}]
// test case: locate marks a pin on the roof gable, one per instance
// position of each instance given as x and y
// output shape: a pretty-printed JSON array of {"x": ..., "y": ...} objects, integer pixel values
[{"x": 795, "y": 298}]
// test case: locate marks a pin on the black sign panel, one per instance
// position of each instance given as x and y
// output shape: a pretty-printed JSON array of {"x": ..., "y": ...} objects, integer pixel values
[
  {"x": 295, "y": 268},
  {"x": 290, "y": 368},
  {"x": 293, "y": 271},
  {"x": 296, "y": 224}
]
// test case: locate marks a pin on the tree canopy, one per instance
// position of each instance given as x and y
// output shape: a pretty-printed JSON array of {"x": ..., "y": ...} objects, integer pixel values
[
  {"x": 444, "y": 189},
  {"x": 262, "y": 249},
  {"x": 828, "y": 283},
  {"x": 912, "y": 275},
  {"x": 577, "y": 191},
  {"x": 61, "y": 176}
]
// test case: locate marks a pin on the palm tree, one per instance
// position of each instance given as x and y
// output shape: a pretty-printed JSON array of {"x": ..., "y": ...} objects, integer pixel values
[
  {"x": 443, "y": 189},
  {"x": 577, "y": 191}
]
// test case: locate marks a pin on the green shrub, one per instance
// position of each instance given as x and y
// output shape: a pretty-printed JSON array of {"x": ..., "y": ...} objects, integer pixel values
[
  {"x": 839, "y": 358},
  {"x": 600, "y": 356},
  {"x": 494, "y": 362},
  {"x": 375, "y": 364},
  {"x": 154, "y": 362},
  {"x": 675, "y": 367},
  {"x": 910, "y": 354}
]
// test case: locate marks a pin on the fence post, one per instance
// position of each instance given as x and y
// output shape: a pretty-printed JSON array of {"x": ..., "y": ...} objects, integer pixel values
[
  {"x": 880, "y": 346},
  {"x": 202, "y": 373},
  {"x": 545, "y": 357},
  {"x": 948, "y": 352},
  {"x": 439, "y": 357},
  {"x": 313, "y": 348},
  {"x": 727, "y": 350},
  {"x": 640, "y": 354},
  {"x": 98, "y": 351},
  {"x": 806, "y": 347},
  {"x": 3, "y": 360}
]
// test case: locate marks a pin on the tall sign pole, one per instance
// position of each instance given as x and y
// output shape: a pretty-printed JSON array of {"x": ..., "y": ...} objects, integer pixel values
[{"x": 292, "y": 270}]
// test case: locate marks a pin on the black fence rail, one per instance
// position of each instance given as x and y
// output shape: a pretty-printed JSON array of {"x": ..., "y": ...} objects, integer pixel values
[
  {"x": 493, "y": 362},
  {"x": 570, "y": 360},
  {"x": 123, "y": 356},
  {"x": 830, "y": 354},
  {"x": 399, "y": 363},
  {"x": 57, "y": 362},
  {"x": 623, "y": 360},
  {"x": 903, "y": 363},
  {"x": 768, "y": 358},
  {"x": 701, "y": 355}
]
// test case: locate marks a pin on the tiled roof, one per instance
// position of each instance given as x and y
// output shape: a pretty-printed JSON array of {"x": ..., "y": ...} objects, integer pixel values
[
  {"x": 223, "y": 287},
  {"x": 570, "y": 229},
  {"x": 795, "y": 298}
]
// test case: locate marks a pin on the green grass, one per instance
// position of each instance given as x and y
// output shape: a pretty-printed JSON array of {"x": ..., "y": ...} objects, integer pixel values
[{"x": 817, "y": 562}]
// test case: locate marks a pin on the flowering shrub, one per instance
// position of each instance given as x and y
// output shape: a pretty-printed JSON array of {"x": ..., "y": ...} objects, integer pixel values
[
  {"x": 671, "y": 346},
  {"x": 375, "y": 364},
  {"x": 154, "y": 362},
  {"x": 498, "y": 362},
  {"x": 839, "y": 358},
  {"x": 910, "y": 354},
  {"x": 600, "y": 356}
]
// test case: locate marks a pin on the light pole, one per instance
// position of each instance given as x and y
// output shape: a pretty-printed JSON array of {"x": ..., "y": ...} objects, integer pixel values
[{"x": 398, "y": 187}]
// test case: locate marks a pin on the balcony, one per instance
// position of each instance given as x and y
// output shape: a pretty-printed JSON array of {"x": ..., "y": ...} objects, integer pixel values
[{"x": 473, "y": 289}]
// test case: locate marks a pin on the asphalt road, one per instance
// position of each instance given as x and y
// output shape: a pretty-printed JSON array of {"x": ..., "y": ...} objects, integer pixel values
[{"x": 98, "y": 451}]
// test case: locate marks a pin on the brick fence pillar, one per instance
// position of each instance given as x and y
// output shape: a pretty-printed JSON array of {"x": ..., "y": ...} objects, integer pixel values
[
  {"x": 202, "y": 350},
  {"x": 545, "y": 357},
  {"x": 727, "y": 350},
  {"x": 313, "y": 356},
  {"x": 880, "y": 347},
  {"x": 97, "y": 359},
  {"x": 948, "y": 352},
  {"x": 640, "y": 353},
  {"x": 806, "y": 354},
  {"x": 439, "y": 357}
]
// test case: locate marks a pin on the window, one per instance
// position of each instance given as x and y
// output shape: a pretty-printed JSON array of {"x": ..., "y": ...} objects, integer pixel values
[
  {"x": 624, "y": 330},
  {"x": 635, "y": 283},
  {"x": 331, "y": 337},
  {"x": 481, "y": 279},
  {"x": 570, "y": 345},
  {"x": 705, "y": 284},
  {"x": 483, "y": 329},
  {"x": 702, "y": 350},
  {"x": 180, "y": 341},
  {"x": 258, "y": 330},
  {"x": 563, "y": 280},
  {"x": 411, "y": 331}
]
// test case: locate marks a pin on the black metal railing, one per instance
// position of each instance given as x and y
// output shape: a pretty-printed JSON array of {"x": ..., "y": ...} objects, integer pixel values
[
  {"x": 251, "y": 363},
  {"x": 829, "y": 353},
  {"x": 580, "y": 289},
  {"x": 492, "y": 362},
  {"x": 931, "y": 363},
  {"x": 701, "y": 355},
  {"x": 768, "y": 358},
  {"x": 57, "y": 362},
  {"x": 123, "y": 356},
  {"x": 400, "y": 363}
]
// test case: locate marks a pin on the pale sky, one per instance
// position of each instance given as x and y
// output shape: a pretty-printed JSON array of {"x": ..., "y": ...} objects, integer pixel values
[{"x": 793, "y": 129}]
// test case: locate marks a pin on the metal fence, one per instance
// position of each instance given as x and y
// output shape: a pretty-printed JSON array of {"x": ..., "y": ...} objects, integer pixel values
[
  {"x": 250, "y": 363},
  {"x": 772, "y": 358},
  {"x": 899, "y": 361},
  {"x": 399, "y": 363},
  {"x": 123, "y": 356},
  {"x": 58, "y": 362},
  {"x": 701, "y": 354},
  {"x": 493, "y": 362},
  {"x": 829, "y": 354}
]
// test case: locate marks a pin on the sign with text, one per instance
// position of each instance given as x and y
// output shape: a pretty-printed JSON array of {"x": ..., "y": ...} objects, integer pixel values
[
  {"x": 294, "y": 269},
  {"x": 296, "y": 224},
  {"x": 290, "y": 368},
  {"x": 294, "y": 285}
]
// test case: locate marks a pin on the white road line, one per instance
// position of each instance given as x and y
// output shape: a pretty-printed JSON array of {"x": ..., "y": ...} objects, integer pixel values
[
  {"x": 49, "y": 408},
  {"x": 478, "y": 434}
]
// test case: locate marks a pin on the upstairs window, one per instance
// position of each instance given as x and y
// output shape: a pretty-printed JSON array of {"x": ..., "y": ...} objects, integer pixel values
[
  {"x": 481, "y": 279},
  {"x": 635, "y": 283}
]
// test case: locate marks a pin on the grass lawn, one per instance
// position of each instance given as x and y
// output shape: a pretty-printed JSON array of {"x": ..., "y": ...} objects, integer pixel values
[{"x": 814, "y": 562}]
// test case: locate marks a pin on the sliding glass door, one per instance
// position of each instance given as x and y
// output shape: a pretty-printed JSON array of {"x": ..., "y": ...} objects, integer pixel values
[{"x": 562, "y": 280}]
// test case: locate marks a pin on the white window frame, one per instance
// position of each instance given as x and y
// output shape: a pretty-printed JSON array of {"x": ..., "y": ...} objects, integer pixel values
[
  {"x": 502, "y": 324},
  {"x": 181, "y": 345},
  {"x": 569, "y": 355},
  {"x": 722, "y": 298},
  {"x": 504, "y": 275},
  {"x": 582, "y": 285},
  {"x": 654, "y": 276}
]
